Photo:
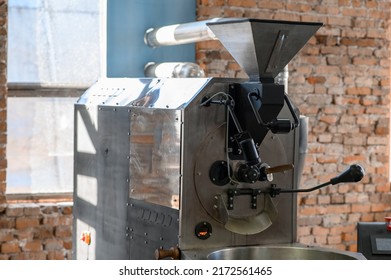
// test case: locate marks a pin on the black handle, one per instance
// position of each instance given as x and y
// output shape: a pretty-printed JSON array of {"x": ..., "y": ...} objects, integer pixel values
[{"x": 351, "y": 175}]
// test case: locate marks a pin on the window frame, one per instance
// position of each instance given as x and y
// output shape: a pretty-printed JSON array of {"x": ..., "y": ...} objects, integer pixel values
[{"x": 37, "y": 90}]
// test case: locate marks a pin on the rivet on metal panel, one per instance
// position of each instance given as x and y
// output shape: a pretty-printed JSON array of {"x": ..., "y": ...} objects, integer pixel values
[
  {"x": 128, "y": 157},
  {"x": 128, "y": 133},
  {"x": 114, "y": 109}
]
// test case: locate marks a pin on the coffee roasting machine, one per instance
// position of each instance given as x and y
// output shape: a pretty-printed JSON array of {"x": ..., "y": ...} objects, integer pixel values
[{"x": 196, "y": 168}]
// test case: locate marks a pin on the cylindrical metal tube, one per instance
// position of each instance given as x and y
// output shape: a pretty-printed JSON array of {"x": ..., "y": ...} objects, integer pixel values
[
  {"x": 178, "y": 34},
  {"x": 173, "y": 70}
]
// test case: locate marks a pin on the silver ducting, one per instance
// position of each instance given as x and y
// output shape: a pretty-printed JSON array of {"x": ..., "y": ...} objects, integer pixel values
[
  {"x": 173, "y": 70},
  {"x": 178, "y": 34}
]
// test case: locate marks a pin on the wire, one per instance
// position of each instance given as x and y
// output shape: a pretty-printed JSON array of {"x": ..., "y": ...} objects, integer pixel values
[
  {"x": 227, "y": 151},
  {"x": 228, "y": 97}
]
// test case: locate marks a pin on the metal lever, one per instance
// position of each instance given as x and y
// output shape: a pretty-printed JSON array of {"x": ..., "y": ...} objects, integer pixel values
[
  {"x": 279, "y": 168},
  {"x": 351, "y": 175}
]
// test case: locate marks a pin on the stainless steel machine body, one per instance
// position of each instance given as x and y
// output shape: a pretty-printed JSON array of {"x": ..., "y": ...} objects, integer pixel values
[{"x": 191, "y": 163}]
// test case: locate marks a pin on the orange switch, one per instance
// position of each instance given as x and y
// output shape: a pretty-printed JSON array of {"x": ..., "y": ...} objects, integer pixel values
[{"x": 86, "y": 237}]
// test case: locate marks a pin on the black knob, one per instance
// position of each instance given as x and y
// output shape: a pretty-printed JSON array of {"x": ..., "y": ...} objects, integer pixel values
[{"x": 353, "y": 174}]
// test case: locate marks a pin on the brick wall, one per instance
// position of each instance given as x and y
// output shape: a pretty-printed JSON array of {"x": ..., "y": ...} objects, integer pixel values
[
  {"x": 340, "y": 80},
  {"x": 36, "y": 231},
  {"x": 3, "y": 98}
]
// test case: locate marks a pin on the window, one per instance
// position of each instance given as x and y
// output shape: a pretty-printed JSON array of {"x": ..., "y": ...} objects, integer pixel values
[{"x": 54, "y": 53}]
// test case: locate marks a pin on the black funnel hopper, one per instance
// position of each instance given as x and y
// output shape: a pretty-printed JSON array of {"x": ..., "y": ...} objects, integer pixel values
[{"x": 263, "y": 47}]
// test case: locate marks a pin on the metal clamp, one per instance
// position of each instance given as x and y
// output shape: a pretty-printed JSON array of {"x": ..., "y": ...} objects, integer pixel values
[{"x": 247, "y": 191}]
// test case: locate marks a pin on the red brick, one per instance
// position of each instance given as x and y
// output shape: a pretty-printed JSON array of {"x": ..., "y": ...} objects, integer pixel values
[
  {"x": 25, "y": 234},
  {"x": 51, "y": 220},
  {"x": 56, "y": 255},
  {"x": 4, "y": 257},
  {"x": 6, "y": 235},
  {"x": 308, "y": 240},
  {"x": 242, "y": 3},
  {"x": 9, "y": 248},
  {"x": 65, "y": 220},
  {"x": 67, "y": 243},
  {"x": 32, "y": 246},
  {"x": 6, "y": 222},
  {"x": 361, "y": 208},
  {"x": 44, "y": 232},
  {"x": 334, "y": 239},
  {"x": 14, "y": 210},
  {"x": 53, "y": 244},
  {"x": 22, "y": 222},
  {"x": 359, "y": 90},
  {"x": 30, "y": 256},
  {"x": 31, "y": 210},
  {"x": 63, "y": 231},
  {"x": 320, "y": 231}
]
